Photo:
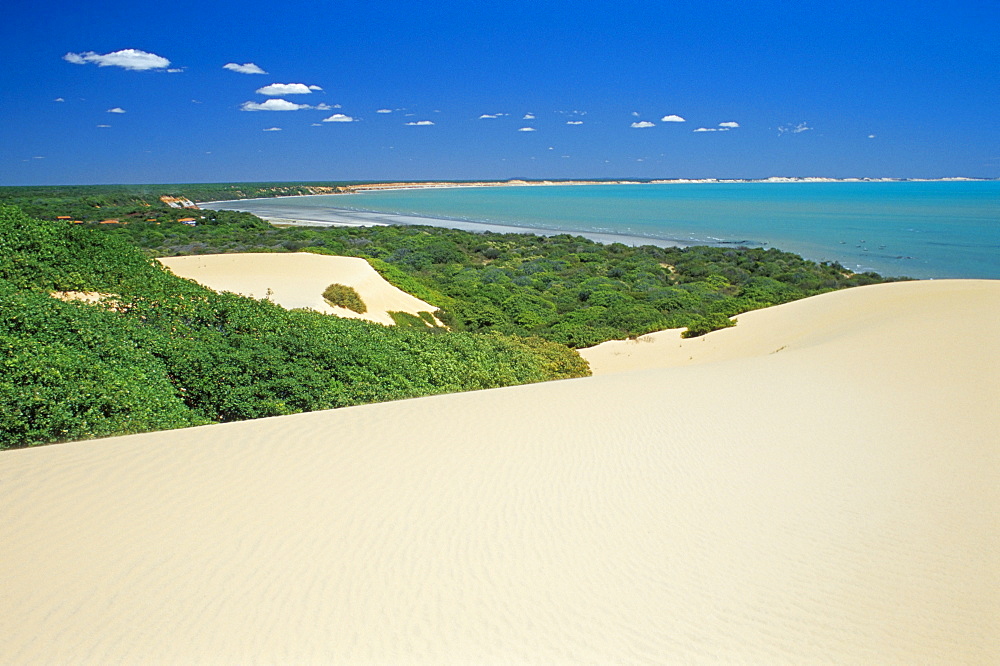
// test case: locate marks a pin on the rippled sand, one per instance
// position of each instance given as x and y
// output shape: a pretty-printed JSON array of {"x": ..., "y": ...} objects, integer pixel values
[{"x": 819, "y": 485}]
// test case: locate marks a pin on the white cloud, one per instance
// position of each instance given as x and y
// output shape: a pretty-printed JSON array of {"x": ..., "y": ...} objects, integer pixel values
[
  {"x": 117, "y": 109},
  {"x": 175, "y": 70},
  {"x": 574, "y": 122},
  {"x": 58, "y": 99},
  {"x": 707, "y": 129},
  {"x": 133, "y": 59},
  {"x": 643, "y": 124},
  {"x": 276, "y": 89},
  {"x": 325, "y": 107},
  {"x": 272, "y": 129},
  {"x": 273, "y": 105},
  {"x": 794, "y": 129},
  {"x": 384, "y": 111},
  {"x": 104, "y": 125},
  {"x": 871, "y": 136},
  {"x": 314, "y": 87},
  {"x": 246, "y": 68},
  {"x": 528, "y": 116},
  {"x": 635, "y": 113},
  {"x": 729, "y": 125},
  {"x": 490, "y": 115},
  {"x": 527, "y": 129},
  {"x": 672, "y": 119},
  {"x": 421, "y": 122},
  {"x": 338, "y": 118}
]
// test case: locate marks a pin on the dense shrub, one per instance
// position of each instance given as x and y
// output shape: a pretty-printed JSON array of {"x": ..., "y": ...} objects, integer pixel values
[
  {"x": 562, "y": 288},
  {"x": 162, "y": 352},
  {"x": 344, "y": 296}
]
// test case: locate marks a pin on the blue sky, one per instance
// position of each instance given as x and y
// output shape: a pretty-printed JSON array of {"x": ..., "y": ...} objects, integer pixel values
[{"x": 135, "y": 92}]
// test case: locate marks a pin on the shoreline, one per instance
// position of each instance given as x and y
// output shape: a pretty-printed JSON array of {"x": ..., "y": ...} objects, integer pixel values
[
  {"x": 444, "y": 184},
  {"x": 346, "y": 217},
  {"x": 907, "y": 254}
]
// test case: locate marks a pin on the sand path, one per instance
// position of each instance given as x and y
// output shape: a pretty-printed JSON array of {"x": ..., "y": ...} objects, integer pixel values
[
  {"x": 835, "y": 502},
  {"x": 297, "y": 280}
]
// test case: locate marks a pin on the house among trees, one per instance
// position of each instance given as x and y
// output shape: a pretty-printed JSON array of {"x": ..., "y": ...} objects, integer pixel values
[{"x": 188, "y": 220}]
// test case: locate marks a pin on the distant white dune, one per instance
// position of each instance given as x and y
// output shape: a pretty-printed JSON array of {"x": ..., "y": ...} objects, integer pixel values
[
  {"x": 297, "y": 280},
  {"x": 819, "y": 484}
]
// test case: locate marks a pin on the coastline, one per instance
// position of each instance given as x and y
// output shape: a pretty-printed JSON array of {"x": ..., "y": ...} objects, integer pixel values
[
  {"x": 894, "y": 228},
  {"x": 346, "y": 217},
  {"x": 423, "y": 185}
]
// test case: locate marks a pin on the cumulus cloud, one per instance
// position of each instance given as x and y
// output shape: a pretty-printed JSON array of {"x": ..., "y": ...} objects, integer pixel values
[
  {"x": 635, "y": 113},
  {"x": 276, "y": 89},
  {"x": 117, "y": 109},
  {"x": 794, "y": 129},
  {"x": 729, "y": 125},
  {"x": 643, "y": 124},
  {"x": 871, "y": 136},
  {"x": 421, "y": 122},
  {"x": 272, "y": 129},
  {"x": 175, "y": 70},
  {"x": 58, "y": 99},
  {"x": 338, "y": 118},
  {"x": 276, "y": 104},
  {"x": 708, "y": 129},
  {"x": 527, "y": 129},
  {"x": 326, "y": 107},
  {"x": 133, "y": 59},
  {"x": 245, "y": 68},
  {"x": 384, "y": 111},
  {"x": 104, "y": 125},
  {"x": 528, "y": 116},
  {"x": 490, "y": 115},
  {"x": 574, "y": 122},
  {"x": 672, "y": 119}
]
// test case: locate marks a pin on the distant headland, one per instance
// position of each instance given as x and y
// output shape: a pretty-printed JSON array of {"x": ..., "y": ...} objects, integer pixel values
[{"x": 281, "y": 190}]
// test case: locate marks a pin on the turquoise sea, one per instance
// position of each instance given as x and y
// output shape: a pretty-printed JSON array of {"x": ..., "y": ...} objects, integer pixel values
[{"x": 919, "y": 229}]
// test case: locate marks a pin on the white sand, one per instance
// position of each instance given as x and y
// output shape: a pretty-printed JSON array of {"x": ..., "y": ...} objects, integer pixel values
[
  {"x": 806, "y": 323},
  {"x": 835, "y": 502},
  {"x": 297, "y": 280}
]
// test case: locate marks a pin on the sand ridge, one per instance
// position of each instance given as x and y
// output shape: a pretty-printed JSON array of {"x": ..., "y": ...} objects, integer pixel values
[
  {"x": 297, "y": 280},
  {"x": 834, "y": 502}
]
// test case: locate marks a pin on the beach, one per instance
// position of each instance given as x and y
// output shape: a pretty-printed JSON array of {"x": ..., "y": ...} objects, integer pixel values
[
  {"x": 815, "y": 485},
  {"x": 286, "y": 211}
]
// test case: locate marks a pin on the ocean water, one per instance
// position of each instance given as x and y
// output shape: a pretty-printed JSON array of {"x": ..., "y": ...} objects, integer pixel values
[{"x": 919, "y": 229}]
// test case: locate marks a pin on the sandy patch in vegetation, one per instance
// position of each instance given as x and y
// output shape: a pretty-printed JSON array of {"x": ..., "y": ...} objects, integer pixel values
[
  {"x": 297, "y": 280},
  {"x": 821, "y": 488}
]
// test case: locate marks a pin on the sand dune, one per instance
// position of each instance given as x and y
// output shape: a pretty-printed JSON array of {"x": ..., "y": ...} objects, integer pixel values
[
  {"x": 297, "y": 280},
  {"x": 834, "y": 502}
]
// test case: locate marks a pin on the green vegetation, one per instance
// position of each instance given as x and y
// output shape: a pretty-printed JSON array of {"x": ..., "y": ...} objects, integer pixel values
[
  {"x": 564, "y": 288},
  {"x": 162, "y": 352},
  {"x": 343, "y": 296}
]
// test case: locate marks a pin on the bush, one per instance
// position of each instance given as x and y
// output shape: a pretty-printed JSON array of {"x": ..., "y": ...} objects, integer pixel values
[
  {"x": 341, "y": 295},
  {"x": 706, "y": 324}
]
